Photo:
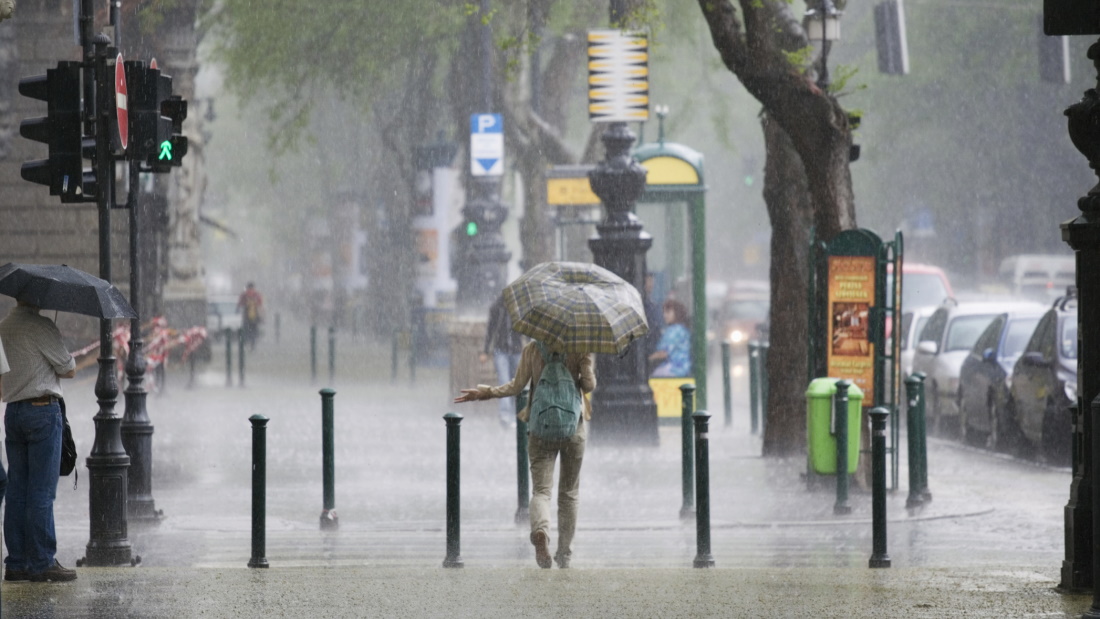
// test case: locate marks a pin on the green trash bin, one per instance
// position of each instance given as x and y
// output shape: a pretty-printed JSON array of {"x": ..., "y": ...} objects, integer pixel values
[{"x": 821, "y": 435}]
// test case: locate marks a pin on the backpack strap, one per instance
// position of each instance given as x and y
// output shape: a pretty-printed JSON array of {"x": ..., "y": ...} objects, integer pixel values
[{"x": 542, "y": 351}]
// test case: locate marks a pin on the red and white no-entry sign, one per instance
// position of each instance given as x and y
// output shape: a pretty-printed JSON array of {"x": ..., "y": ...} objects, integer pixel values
[{"x": 120, "y": 103}]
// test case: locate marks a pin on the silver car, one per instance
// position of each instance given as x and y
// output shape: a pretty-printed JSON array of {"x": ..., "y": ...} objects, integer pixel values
[{"x": 943, "y": 345}]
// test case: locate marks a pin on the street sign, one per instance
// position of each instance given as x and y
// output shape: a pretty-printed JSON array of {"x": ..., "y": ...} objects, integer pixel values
[
  {"x": 120, "y": 103},
  {"x": 486, "y": 145},
  {"x": 618, "y": 76}
]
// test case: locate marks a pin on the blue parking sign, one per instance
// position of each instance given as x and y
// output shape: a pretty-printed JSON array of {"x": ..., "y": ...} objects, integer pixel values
[{"x": 486, "y": 145}]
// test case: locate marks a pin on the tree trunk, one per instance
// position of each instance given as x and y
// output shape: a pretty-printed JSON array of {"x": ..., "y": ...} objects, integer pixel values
[{"x": 791, "y": 214}]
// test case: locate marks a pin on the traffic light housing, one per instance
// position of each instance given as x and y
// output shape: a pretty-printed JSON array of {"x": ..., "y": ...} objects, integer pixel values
[
  {"x": 63, "y": 171},
  {"x": 156, "y": 119}
]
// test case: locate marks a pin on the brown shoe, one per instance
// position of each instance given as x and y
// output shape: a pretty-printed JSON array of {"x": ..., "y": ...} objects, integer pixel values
[
  {"x": 542, "y": 549},
  {"x": 55, "y": 573}
]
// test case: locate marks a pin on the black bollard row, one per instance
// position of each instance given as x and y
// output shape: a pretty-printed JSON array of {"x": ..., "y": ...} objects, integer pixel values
[
  {"x": 840, "y": 414},
  {"x": 687, "y": 459},
  {"x": 329, "y": 520},
  {"x": 454, "y": 556},
  {"x": 523, "y": 472},
  {"x": 259, "y": 491},
  {"x": 879, "y": 558},
  {"x": 703, "y": 557}
]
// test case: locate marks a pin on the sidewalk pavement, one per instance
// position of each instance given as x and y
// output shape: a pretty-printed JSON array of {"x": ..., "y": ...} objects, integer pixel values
[{"x": 990, "y": 542}]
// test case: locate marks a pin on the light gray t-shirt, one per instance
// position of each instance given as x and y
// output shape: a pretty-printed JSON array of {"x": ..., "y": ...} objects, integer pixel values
[{"x": 36, "y": 354}]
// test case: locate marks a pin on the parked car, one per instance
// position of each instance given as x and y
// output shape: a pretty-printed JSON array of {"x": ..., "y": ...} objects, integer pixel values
[
  {"x": 985, "y": 377},
  {"x": 222, "y": 314},
  {"x": 1044, "y": 383},
  {"x": 944, "y": 342},
  {"x": 912, "y": 323}
]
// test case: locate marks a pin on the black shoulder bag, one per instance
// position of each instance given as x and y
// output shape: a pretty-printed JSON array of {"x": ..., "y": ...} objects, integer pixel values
[{"x": 68, "y": 445}]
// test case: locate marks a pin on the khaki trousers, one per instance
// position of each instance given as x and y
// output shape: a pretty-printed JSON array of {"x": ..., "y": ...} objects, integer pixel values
[{"x": 542, "y": 455}]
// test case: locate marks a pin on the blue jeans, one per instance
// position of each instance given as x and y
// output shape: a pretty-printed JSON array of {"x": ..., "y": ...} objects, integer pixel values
[
  {"x": 506, "y": 364},
  {"x": 34, "y": 456}
]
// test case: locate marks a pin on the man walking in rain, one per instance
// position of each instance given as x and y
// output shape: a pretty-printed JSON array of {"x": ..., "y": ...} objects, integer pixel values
[
  {"x": 32, "y": 423},
  {"x": 543, "y": 453}
]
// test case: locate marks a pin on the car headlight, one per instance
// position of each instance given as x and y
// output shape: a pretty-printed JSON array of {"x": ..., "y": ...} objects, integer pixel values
[
  {"x": 737, "y": 336},
  {"x": 1071, "y": 390}
]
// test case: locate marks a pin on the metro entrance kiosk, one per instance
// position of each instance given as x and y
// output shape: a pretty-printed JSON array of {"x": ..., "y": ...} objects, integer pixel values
[{"x": 672, "y": 208}]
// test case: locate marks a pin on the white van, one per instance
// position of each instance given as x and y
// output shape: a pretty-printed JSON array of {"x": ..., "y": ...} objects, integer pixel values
[{"x": 1042, "y": 277}]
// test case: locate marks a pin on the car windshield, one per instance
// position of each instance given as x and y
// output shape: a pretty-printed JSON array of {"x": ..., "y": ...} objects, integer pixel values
[
  {"x": 1068, "y": 340},
  {"x": 921, "y": 289},
  {"x": 1019, "y": 332},
  {"x": 965, "y": 330}
]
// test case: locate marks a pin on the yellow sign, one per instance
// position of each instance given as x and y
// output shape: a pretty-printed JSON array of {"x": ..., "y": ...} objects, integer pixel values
[
  {"x": 667, "y": 395},
  {"x": 574, "y": 191},
  {"x": 851, "y": 354},
  {"x": 669, "y": 171}
]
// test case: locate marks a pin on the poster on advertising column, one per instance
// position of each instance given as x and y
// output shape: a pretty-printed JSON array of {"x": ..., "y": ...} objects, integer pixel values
[{"x": 851, "y": 351}]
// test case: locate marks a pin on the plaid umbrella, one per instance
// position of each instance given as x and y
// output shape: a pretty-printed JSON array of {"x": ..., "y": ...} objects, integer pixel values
[
  {"x": 61, "y": 287},
  {"x": 576, "y": 307}
]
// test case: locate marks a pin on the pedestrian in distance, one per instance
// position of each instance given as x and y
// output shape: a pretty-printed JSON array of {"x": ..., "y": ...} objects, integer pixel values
[
  {"x": 33, "y": 428},
  {"x": 674, "y": 348},
  {"x": 251, "y": 306},
  {"x": 505, "y": 346},
  {"x": 542, "y": 454}
]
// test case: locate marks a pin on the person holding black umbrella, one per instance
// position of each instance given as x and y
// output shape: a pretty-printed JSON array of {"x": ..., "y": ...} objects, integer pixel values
[{"x": 33, "y": 425}]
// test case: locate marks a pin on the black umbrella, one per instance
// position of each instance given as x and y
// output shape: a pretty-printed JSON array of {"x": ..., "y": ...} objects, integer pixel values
[{"x": 63, "y": 288}]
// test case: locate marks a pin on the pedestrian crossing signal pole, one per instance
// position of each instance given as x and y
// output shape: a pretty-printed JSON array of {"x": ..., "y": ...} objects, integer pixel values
[{"x": 108, "y": 463}]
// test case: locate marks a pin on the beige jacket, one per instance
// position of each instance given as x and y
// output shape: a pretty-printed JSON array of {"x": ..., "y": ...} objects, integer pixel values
[{"x": 529, "y": 370}]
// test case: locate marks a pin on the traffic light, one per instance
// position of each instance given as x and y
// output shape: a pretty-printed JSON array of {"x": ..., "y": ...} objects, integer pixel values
[
  {"x": 171, "y": 150},
  {"x": 61, "y": 130},
  {"x": 156, "y": 118},
  {"x": 471, "y": 228}
]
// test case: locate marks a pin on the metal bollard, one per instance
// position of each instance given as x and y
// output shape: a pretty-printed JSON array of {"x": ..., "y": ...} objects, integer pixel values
[
  {"x": 331, "y": 355},
  {"x": 259, "y": 483},
  {"x": 912, "y": 387},
  {"x": 727, "y": 390},
  {"x": 703, "y": 558},
  {"x": 240, "y": 357},
  {"x": 228, "y": 358},
  {"x": 840, "y": 415},
  {"x": 763, "y": 374},
  {"x": 523, "y": 472},
  {"x": 687, "y": 459},
  {"x": 922, "y": 440},
  {"x": 313, "y": 353},
  {"x": 879, "y": 558},
  {"x": 454, "y": 556},
  {"x": 754, "y": 385},
  {"x": 191, "y": 371},
  {"x": 329, "y": 520}
]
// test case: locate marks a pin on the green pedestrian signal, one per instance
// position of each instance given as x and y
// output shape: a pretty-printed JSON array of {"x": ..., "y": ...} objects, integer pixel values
[
  {"x": 165, "y": 151},
  {"x": 471, "y": 228}
]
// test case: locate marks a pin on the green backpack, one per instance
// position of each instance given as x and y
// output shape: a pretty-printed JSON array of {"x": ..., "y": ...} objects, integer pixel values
[{"x": 556, "y": 406}]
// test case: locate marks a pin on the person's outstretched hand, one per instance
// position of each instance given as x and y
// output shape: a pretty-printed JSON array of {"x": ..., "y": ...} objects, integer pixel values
[{"x": 469, "y": 395}]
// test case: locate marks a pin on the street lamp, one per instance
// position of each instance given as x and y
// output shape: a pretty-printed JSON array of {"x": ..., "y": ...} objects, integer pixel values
[{"x": 822, "y": 23}]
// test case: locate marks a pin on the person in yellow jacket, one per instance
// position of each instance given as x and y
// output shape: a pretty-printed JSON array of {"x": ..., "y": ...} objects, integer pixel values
[{"x": 542, "y": 453}]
